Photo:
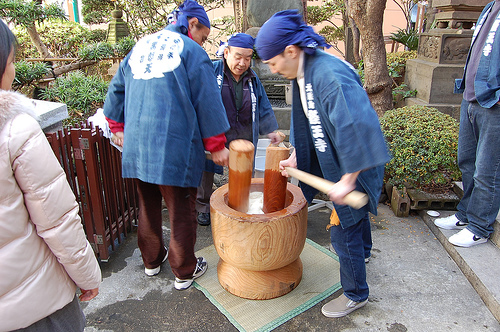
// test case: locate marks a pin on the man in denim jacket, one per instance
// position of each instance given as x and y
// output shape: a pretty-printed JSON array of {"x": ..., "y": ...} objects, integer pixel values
[
  {"x": 479, "y": 137},
  {"x": 336, "y": 135},
  {"x": 158, "y": 111}
]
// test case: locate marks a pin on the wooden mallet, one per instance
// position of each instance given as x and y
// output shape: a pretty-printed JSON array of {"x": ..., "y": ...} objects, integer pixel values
[
  {"x": 240, "y": 174},
  {"x": 354, "y": 199}
]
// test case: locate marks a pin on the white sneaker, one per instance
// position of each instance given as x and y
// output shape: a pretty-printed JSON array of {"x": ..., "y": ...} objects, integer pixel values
[
  {"x": 466, "y": 238},
  {"x": 450, "y": 222},
  {"x": 199, "y": 270},
  {"x": 156, "y": 270}
]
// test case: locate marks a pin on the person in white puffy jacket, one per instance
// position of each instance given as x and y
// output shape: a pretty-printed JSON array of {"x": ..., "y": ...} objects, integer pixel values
[{"x": 44, "y": 254}]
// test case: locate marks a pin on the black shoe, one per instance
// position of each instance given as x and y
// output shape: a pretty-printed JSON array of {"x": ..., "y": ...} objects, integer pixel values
[{"x": 203, "y": 218}]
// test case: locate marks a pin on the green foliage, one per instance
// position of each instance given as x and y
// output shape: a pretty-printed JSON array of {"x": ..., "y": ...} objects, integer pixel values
[
  {"x": 396, "y": 62},
  {"x": 63, "y": 39},
  {"x": 423, "y": 143},
  {"x": 408, "y": 38},
  {"x": 82, "y": 94},
  {"x": 123, "y": 46},
  {"x": 96, "y": 51},
  {"x": 29, "y": 72},
  {"x": 97, "y": 11},
  {"x": 27, "y": 13},
  {"x": 329, "y": 12},
  {"x": 401, "y": 92}
]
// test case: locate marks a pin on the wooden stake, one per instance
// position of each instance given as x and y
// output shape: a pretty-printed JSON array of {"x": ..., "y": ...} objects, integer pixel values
[
  {"x": 274, "y": 182},
  {"x": 240, "y": 174}
]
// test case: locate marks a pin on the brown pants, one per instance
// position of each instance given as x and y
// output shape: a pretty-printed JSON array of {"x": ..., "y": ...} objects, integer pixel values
[
  {"x": 204, "y": 192},
  {"x": 181, "y": 208}
]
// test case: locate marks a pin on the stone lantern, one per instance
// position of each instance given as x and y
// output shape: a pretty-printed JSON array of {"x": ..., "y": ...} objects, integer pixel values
[
  {"x": 117, "y": 28},
  {"x": 442, "y": 53}
]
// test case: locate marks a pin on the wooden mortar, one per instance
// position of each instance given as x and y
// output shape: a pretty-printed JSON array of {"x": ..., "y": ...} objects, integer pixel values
[{"x": 259, "y": 253}]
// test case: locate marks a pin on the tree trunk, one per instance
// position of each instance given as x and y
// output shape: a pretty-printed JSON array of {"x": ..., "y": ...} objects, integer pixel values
[
  {"x": 244, "y": 21},
  {"x": 368, "y": 16},
  {"x": 355, "y": 40},
  {"x": 71, "y": 67},
  {"x": 352, "y": 37},
  {"x": 35, "y": 39}
]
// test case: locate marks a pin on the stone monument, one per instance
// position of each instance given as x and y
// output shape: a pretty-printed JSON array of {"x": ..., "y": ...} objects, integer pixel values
[
  {"x": 117, "y": 28},
  {"x": 277, "y": 88},
  {"x": 442, "y": 53}
]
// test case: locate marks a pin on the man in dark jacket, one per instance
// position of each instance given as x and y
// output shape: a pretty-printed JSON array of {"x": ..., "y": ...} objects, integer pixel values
[{"x": 248, "y": 110}]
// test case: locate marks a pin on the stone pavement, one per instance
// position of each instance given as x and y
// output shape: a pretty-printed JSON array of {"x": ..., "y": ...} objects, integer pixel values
[{"x": 415, "y": 285}]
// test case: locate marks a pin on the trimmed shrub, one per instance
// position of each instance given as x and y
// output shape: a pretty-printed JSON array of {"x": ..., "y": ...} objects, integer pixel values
[
  {"x": 29, "y": 72},
  {"x": 96, "y": 51},
  {"x": 423, "y": 143},
  {"x": 82, "y": 94},
  {"x": 123, "y": 46}
]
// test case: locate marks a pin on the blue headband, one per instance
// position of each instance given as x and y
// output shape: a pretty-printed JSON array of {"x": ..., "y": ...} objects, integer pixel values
[
  {"x": 189, "y": 8},
  {"x": 242, "y": 40},
  {"x": 286, "y": 28}
]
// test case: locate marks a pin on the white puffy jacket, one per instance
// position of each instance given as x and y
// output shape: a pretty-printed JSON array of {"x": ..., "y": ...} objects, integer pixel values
[{"x": 43, "y": 248}]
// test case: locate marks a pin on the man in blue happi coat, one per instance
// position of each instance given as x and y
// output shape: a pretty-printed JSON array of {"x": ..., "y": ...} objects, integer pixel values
[
  {"x": 336, "y": 135},
  {"x": 158, "y": 111},
  {"x": 479, "y": 135},
  {"x": 247, "y": 107}
]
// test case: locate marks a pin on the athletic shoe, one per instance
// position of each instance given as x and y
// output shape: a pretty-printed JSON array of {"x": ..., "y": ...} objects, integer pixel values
[
  {"x": 156, "y": 270},
  {"x": 466, "y": 238},
  {"x": 201, "y": 268},
  {"x": 203, "y": 219},
  {"x": 450, "y": 222},
  {"x": 341, "y": 306}
]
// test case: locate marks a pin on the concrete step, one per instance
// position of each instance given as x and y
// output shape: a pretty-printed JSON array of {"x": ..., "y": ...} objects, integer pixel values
[
  {"x": 480, "y": 264},
  {"x": 495, "y": 237}
]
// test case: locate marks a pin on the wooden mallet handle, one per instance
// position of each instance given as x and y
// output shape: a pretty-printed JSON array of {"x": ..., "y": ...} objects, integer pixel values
[{"x": 354, "y": 199}]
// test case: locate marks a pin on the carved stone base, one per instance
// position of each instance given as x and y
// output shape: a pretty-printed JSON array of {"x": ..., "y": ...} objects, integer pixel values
[
  {"x": 444, "y": 46},
  {"x": 434, "y": 82}
]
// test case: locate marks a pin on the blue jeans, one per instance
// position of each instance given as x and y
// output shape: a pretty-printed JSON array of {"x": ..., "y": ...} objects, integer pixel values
[
  {"x": 353, "y": 245},
  {"x": 479, "y": 161}
]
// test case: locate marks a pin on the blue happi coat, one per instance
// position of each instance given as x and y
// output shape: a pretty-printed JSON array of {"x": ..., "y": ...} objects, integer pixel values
[
  {"x": 342, "y": 134},
  {"x": 160, "y": 92},
  {"x": 263, "y": 118}
]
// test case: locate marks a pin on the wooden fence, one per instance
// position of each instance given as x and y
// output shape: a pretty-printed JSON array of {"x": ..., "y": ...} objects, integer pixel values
[{"x": 108, "y": 203}]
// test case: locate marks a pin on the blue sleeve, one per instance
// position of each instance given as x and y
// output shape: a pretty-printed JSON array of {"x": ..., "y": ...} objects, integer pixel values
[
  {"x": 354, "y": 128},
  {"x": 267, "y": 119},
  {"x": 205, "y": 94}
]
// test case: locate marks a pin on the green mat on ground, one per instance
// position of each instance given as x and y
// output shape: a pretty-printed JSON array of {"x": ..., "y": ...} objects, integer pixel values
[{"x": 320, "y": 279}]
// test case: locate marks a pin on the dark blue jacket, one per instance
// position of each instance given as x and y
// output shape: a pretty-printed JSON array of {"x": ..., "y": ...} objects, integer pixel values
[{"x": 341, "y": 134}]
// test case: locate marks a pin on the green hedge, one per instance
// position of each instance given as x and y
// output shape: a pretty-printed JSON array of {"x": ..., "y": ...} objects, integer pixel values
[{"x": 423, "y": 142}]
